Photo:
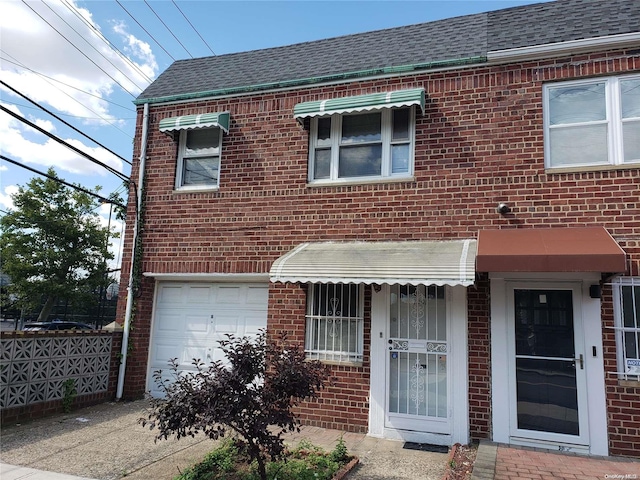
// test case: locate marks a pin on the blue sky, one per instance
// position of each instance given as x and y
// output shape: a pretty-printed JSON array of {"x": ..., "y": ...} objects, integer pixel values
[{"x": 87, "y": 60}]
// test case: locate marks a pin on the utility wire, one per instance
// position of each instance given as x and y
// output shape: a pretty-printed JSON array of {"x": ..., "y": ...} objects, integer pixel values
[
  {"x": 81, "y": 52},
  {"x": 99, "y": 34},
  {"x": 194, "y": 28},
  {"x": 23, "y": 66},
  {"x": 62, "y": 142},
  {"x": 74, "y": 99},
  {"x": 152, "y": 37},
  {"x": 88, "y": 192},
  {"x": 68, "y": 115},
  {"x": 165, "y": 26},
  {"x": 65, "y": 122},
  {"x": 89, "y": 43}
]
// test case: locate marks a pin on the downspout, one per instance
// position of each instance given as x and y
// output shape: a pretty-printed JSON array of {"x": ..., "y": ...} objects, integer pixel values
[{"x": 129, "y": 308}]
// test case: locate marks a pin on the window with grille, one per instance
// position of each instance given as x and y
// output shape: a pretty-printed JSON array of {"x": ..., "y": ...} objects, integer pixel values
[
  {"x": 627, "y": 320},
  {"x": 334, "y": 323}
]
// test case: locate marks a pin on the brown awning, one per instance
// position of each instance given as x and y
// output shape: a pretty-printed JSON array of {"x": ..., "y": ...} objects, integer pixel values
[{"x": 589, "y": 249}]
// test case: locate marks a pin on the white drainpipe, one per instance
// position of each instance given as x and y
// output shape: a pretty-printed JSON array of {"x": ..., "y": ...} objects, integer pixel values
[{"x": 127, "y": 314}]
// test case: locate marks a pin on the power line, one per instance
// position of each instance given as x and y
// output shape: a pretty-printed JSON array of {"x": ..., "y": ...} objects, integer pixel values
[
  {"x": 194, "y": 28},
  {"x": 24, "y": 67},
  {"x": 99, "y": 34},
  {"x": 74, "y": 99},
  {"x": 165, "y": 26},
  {"x": 81, "y": 52},
  {"x": 62, "y": 142},
  {"x": 152, "y": 37},
  {"x": 65, "y": 122},
  {"x": 94, "y": 48},
  {"x": 88, "y": 192},
  {"x": 68, "y": 115}
]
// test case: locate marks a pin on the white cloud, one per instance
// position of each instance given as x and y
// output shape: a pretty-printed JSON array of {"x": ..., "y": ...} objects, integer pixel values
[
  {"x": 108, "y": 219},
  {"x": 3, "y": 168},
  {"x": 45, "y": 125},
  {"x": 70, "y": 49},
  {"x": 19, "y": 143},
  {"x": 5, "y": 196},
  {"x": 139, "y": 49}
]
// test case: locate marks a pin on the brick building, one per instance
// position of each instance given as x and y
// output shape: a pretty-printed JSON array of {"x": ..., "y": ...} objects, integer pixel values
[{"x": 447, "y": 213}]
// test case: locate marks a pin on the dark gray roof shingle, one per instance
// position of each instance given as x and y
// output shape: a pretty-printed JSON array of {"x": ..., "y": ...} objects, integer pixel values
[
  {"x": 451, "y": 39},
  {"x": 561, "y": 21}
]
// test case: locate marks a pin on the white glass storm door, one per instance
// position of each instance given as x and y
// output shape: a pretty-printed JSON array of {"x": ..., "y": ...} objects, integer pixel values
[
  {"x": 547, "y": 369},
  {"x": 417, "y": 360}
]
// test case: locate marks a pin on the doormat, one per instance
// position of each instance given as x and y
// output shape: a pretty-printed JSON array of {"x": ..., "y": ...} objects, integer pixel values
[{"x": 425, "y": 447}]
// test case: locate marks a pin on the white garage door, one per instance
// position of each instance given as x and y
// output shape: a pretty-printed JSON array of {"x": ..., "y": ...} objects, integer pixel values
[{"x": 190, "y": 318}]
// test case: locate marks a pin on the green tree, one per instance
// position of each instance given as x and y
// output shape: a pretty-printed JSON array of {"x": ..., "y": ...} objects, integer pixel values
[{"x": 52, "y": 245}]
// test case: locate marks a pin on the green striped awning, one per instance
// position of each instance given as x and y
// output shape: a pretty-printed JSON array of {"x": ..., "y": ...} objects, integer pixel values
[
  {"x": 360, "y": 103},
  {"x": 202, "y": 120}
]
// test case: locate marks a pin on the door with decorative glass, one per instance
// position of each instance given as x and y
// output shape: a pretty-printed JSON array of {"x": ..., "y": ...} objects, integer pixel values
[
  {"x": 548, "y": 367},
  {"x": 417, "y": 360}
]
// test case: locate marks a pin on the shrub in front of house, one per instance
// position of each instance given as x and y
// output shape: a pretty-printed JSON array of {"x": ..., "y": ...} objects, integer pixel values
[{"x": 252, "y": 394}]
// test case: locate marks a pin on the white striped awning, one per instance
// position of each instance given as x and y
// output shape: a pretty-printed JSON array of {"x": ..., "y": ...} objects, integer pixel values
[{"x": 449, "y": 262}]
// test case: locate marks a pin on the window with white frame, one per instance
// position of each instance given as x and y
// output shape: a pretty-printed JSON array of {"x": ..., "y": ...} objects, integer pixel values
[
  {"x": 592, "y": 122},
  {"x": 334, "y": 330},
  {"x": 347, "y": 147},
  {"x": 199, "y": 158},
  {"x": 627, "y": 324}
]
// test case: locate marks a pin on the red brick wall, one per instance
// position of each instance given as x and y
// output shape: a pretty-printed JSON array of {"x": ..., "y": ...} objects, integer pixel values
[
  {"x": 623, "y": 398},
  {"x": 479, "y": 345},
  {"x": 344, "y": 403},
  {"x": 479, "y": 143}
]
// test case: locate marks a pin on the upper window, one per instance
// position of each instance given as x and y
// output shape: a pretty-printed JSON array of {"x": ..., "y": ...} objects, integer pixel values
[
  {"x": 593, "y": 122},
  {"x": 362, "y": 146},
  {"x": 334, "y": 323},
  {"x": 199, "y": 158},
  {"x": 199, "y": 145},
  {"x": 627, "y": 324}
]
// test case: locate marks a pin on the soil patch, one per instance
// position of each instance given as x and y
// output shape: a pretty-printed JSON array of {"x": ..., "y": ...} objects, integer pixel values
[{"x": 461, "y": 464}]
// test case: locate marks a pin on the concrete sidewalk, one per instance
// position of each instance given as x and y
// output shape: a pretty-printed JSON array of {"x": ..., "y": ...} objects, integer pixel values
[
  {"x": 106, "y": 442},
  {"x": 13, "y": 472}
]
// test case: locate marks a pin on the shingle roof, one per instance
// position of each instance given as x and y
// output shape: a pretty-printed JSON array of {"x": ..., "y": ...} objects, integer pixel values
[
  {"x": 453, "y": 39},
  {"x": 561, "y": 21}
]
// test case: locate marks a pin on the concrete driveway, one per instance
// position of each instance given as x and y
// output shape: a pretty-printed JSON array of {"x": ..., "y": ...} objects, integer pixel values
[{"x": 106, "y": 442}]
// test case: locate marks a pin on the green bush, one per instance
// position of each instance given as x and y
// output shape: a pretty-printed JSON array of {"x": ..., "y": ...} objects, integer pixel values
[
  {"x": 231, "y": 461},
  {"x": 216, "y": 465}
]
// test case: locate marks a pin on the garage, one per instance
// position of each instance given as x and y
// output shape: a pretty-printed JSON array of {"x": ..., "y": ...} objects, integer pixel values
[{"x": 190, "y": 318}]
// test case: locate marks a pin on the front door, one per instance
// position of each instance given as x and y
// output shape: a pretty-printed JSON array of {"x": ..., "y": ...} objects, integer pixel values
[
  {"x": 417, "y": 361},
  {"x": 547, "y": 373}
]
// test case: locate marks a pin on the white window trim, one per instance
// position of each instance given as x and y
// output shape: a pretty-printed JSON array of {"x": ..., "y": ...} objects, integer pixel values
[
  {"x": 620, "y": 329},
  {"x": 613, "y": 120},
  {"x": 182, "y": 142},
  {"x": 334, "y": 356},
  {"x": 386, "y": 140}
]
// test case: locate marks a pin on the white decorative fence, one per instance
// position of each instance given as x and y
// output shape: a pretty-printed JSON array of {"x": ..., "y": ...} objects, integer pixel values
[{"x": 34, "y": 368}]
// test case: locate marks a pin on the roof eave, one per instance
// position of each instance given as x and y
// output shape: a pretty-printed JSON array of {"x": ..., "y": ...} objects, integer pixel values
[
  {"x": 441, "y": 64},
  {"x": 557, "y": 49}
]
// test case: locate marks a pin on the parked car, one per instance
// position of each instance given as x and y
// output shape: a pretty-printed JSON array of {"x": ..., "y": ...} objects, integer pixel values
[{"x": 41, "y": 326}]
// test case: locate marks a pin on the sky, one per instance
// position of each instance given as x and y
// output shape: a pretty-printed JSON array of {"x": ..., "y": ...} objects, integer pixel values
[{"x": 87, "y": 60}]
